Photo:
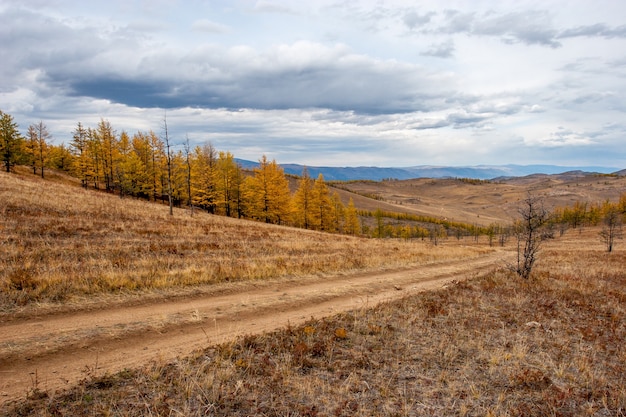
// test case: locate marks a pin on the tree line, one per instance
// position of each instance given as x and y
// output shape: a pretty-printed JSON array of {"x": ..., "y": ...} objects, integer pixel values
[
  {"x": 610, "y": 215},
  {"x": 144, "y": 165}
]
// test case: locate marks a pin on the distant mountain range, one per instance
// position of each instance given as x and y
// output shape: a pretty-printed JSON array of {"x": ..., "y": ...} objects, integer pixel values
[{"x": 482, "y": 172}]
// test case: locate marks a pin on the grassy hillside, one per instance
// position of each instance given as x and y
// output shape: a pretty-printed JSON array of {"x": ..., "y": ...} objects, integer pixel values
[
  {"x": 492, "y": 346},
  {"x": 61, "y": 243},
  {"x": 482, "y": 202}
]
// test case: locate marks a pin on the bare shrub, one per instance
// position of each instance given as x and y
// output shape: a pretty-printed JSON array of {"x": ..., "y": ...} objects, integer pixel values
[
  {"x": 612, "y": 229},
  {"x": 531, "y": 231}
]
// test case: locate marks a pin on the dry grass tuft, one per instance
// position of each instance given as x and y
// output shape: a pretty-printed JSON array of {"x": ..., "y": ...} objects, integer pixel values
[{"x": 495, "y": 345}]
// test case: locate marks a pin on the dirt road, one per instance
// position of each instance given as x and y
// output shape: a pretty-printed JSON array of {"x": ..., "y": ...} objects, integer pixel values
[{"x": 51, "y": 352}]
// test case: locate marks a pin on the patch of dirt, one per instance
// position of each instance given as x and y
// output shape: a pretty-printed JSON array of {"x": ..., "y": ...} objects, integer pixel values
[{"x": 48, "y": 353}]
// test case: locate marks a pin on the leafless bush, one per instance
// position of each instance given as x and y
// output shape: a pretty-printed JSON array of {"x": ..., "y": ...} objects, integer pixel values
[{"x": 531, "y": 231}]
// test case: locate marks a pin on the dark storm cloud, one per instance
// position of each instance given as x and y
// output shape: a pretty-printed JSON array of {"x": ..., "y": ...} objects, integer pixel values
[
  {"x": 363, "y": 90},
  {"x": 280, "y": 79}
]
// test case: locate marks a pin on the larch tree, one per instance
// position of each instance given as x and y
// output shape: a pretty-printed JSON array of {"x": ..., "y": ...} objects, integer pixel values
[
  {"x": 203, "y": 177},
  {"x": 157, "y": 166},
  {"x": 322, "y": 219},
  {"x": 108, "y": 145},
  {"x": 352, "y": 223},
  {"x": 11, "y": 141},
  {"x": 60, "y": 157},
  {"x": 267, "y": 193},
  {"x": 40, "y": 138},
  {"x": 179, "y": 179},
  {"x": 79, "y": 148},
  {"x": 338, "y": 211},
  {"x": 621, "y": 205},
  {"x": 30, "y": 148},
  {"x": 228, "y": 180},
  {"x": 129, "y": 167},
  {"x": 302, "y": 202},
  {"x": 94, "y": 153},
  {"x": 142, "y": 148},
  {"x": 612, "y": 228}
]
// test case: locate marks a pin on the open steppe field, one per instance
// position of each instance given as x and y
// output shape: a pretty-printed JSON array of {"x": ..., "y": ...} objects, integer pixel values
[
  {"x": 491, "y": 345},
  {"x": 110, "y": 306},
  {"x": 483, "y": 202}
]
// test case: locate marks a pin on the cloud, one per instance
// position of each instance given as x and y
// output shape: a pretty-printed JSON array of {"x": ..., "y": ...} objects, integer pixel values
[
  {"x": 566, "y": 137},
  {"x": 302, "y": 75},
  {"x": 595, "y": 30},
  {"x": 528, "y": 27},
  {"x": 441, "y": 50},
  {"x": 464, "y": 119},
  {"x": 264, "y": 6},
  {"x": 205, "y": 25},
  {"x": 535, "y": 108},
  {"x": 414, "y": 20}
]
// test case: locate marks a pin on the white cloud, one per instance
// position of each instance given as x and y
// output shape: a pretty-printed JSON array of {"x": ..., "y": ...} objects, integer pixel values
[
  {"x": 205, "y": 25},
  {"x": 442, "y": 50}
]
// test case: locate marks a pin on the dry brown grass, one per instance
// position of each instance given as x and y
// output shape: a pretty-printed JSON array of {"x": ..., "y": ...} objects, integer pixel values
[
  {"x": 63, "y": 244},
  {"x": 492, "y": 346},
  {"x": 482, "y": 203}
]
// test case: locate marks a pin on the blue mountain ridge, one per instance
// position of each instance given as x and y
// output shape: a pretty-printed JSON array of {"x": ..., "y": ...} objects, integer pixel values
[{"x": 482, "y": 172}]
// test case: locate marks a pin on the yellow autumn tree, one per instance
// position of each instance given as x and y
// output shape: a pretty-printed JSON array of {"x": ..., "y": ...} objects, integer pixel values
[
  {"x": 79, "y": 148},
  {"x": 105, "y": 135},
  {"x": 228, "y": 180},
  {"x": 337, "y": 213},
  {"x": 267, "y": 193},
  {"x": 178, "y": 179},
  {"x": 150, "y": 156},
  {"x": 352, "y": 223},
  {"x": 302, "y": 203},
  {"x": 203, "y": 165},
  {"x": 321, "y": 206},
  {"x": 37, "y": 146}
]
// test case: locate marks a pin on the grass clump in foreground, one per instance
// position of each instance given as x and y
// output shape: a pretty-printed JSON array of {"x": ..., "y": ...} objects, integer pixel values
[{"x": 495, "y": 345}]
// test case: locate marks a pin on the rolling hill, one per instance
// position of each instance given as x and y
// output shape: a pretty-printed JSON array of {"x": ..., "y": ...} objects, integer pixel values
[
  {"x": 480, "y": 202},
  {"x": 427, "y": 171}
]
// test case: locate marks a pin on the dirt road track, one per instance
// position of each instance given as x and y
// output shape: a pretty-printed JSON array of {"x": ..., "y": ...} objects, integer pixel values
[{"x": 53, "y": 352}]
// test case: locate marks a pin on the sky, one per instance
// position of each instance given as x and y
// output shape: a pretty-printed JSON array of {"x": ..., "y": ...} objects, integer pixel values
[{"x": 330, "y": 83}]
